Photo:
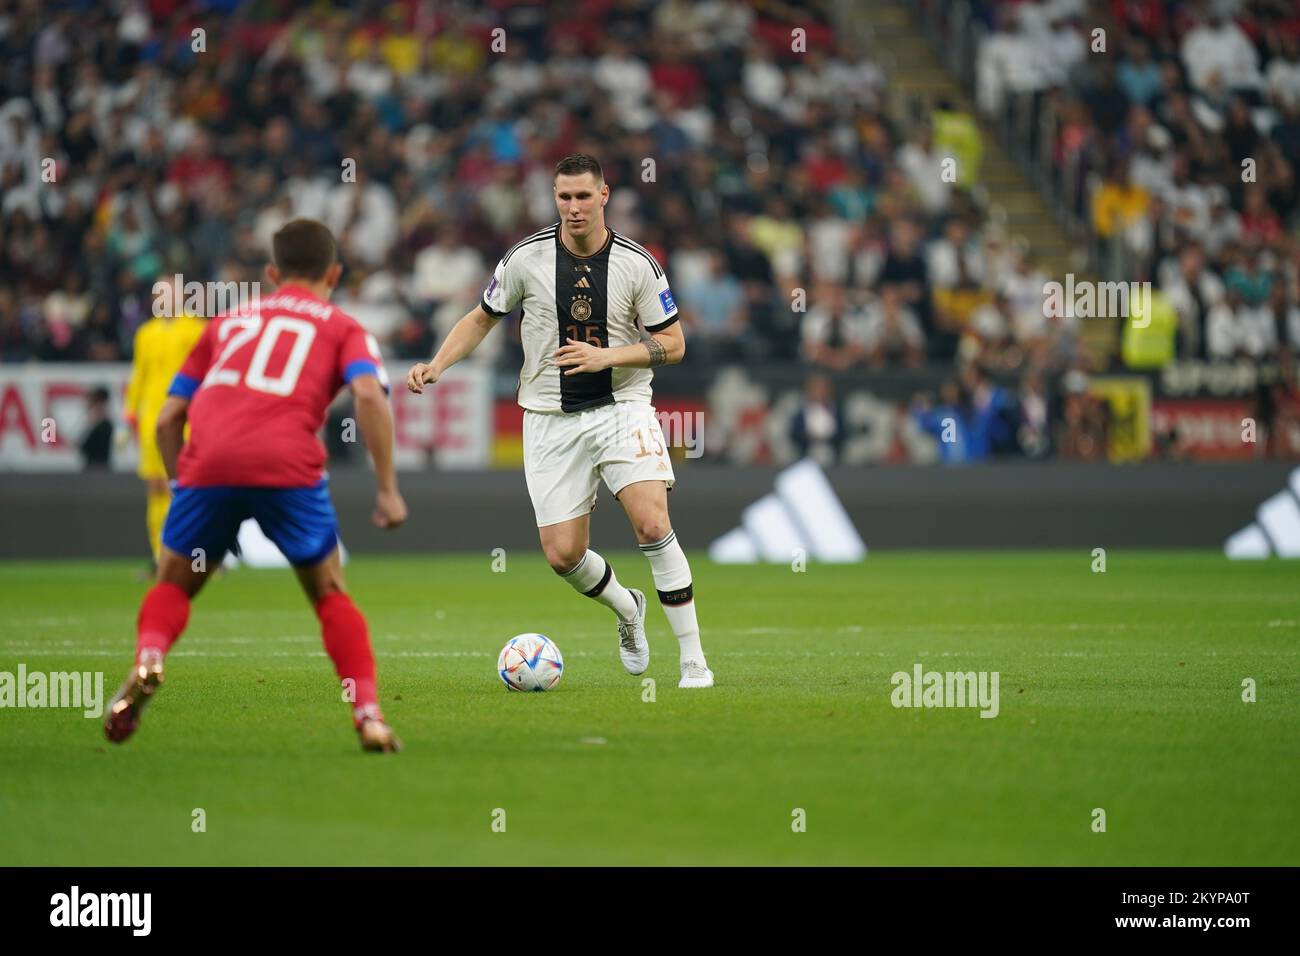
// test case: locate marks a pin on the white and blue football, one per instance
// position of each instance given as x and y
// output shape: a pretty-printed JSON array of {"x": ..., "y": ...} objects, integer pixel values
[{"x": 530, "y": 662}]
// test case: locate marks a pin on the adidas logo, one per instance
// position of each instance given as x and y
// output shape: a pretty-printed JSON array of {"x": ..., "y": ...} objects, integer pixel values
[
  {"x": 582, "y": 283},
  {"x": 1276, "y": 529},
  {"x": 803, "y": 515}
]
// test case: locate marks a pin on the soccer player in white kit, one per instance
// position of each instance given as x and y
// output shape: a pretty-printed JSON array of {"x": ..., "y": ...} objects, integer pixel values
[{"x": 597, "y": 317}]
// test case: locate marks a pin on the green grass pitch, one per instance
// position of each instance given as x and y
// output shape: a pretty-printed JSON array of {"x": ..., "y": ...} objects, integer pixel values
[{"x": 1120, "y": 691}]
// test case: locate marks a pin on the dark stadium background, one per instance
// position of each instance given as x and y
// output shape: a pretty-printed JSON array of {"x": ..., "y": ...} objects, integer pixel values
[{"x": 785, "y": 163}]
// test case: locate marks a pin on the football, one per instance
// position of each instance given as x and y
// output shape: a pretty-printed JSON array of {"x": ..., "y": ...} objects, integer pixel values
[{"x": 530, "y": 662}]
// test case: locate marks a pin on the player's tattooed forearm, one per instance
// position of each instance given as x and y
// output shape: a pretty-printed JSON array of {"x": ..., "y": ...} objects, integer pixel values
[{"x": 658, "y": 354}]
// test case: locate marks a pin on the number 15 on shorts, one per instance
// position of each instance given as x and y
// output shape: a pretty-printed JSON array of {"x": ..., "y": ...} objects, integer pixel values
[{"x": 655, "y": 436}]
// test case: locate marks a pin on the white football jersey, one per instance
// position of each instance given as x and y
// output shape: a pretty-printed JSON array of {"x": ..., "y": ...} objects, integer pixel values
[{"x": 610, "y": 298}]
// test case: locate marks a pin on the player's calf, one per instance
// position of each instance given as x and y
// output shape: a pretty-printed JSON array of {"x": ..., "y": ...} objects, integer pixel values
[
  {"x": 347, "y": 642},
  {"x": 593, "y": 577}
]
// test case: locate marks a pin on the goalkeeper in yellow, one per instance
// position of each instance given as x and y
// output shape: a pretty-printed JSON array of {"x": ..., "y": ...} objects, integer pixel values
[{"x": 161, "y": 346}]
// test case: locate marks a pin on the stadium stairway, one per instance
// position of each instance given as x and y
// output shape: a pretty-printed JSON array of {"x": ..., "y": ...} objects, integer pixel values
[{"x": 894, "y": 35}]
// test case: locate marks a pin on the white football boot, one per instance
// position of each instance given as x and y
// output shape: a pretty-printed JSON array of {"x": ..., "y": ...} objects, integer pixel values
[
  {"x": 695, "y": 674},
  {"x": 633, "y": 647}
]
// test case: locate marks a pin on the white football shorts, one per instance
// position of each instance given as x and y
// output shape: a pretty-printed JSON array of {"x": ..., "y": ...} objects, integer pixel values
[{"x": 567, "y": 455}]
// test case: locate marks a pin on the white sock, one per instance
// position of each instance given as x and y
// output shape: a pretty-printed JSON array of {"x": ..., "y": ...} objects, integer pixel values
[
  {"x": 594, "y": 577},
  {"x": 672, "y": 576}
]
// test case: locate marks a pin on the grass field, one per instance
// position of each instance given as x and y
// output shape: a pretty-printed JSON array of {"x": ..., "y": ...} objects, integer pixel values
[{"x": 1120, "y": 691}]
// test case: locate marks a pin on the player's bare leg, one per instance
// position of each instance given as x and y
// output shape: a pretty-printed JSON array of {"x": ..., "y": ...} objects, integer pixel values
[
  {"x": 163, "y": 615},
  {"x": 347, "y": 641},
  {"x": 566, "y": 548},
  {"x": 158, "y": 499},
  {"x": 646, "y": 504}
]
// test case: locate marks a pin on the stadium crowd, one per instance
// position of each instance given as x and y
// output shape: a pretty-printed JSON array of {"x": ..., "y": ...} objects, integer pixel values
[
  {"x": 799, "y": 222},
  {"x": 1180, "y": 148},
  {"x": 1174, "y": 132}
]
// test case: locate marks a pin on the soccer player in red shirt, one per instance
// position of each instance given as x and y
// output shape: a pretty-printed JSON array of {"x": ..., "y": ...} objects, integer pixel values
[{"x": 255, "y": 390}]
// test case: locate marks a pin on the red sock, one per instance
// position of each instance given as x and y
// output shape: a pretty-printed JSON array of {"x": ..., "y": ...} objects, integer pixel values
[
  {"x": 347, "y": 642},
  {"x": 164, "y": 612}
]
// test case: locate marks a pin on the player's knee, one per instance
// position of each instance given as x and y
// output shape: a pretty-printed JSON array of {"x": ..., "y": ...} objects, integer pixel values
[
  {"x": 563, "y": 558},
  {"x": 652, "y": 528},
  {"x": 175, "y": 569},
  {"x": 321, "y": 581}
]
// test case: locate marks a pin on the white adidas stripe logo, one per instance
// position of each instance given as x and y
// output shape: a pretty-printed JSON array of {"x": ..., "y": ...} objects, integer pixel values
[
  {"x": 1276, "y": 529},
  {"x": 804, "y": 515}
]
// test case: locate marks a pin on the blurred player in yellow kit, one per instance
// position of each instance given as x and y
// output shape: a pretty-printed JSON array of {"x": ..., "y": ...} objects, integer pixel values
[{"x": 161, "y": 346}]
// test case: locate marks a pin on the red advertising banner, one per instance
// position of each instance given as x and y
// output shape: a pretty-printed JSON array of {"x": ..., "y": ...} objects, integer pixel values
[
  {"x": 43, "y": 417},
  {"x": 1206, "y": 429}
]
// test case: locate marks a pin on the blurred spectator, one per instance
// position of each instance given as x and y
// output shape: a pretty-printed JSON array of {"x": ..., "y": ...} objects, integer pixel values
[
  {"x": 1024, "y": 287},
  {"x": 778, "y": 235},
  {"x": 1085, "y": 428},
  {"x": 1138, "y": 76},
  {"x": 1277, "y": 408},
  {"x": 992, "y": 419},
  {"x": 1034, "y": 435},
  {"x": 817, "y": 428},
  {"x": 715, "y": 303},
  {"x": 1193, "y": 290},
  {"x": 924, "y": 166},
  {"x": 1216, "y": 46},
  {"x": 988, "y": 338},
  {"x": 955, "y": 256},
  {"x": 834, "y": 335},
  {"x": 1119, "y": 202},
  {"x": 905, "y": 267},
  {"x": 97, "y": 440},
  {"x": 945, "y": 421},
  {"x": 448, "y": 269},
  {"x": 891, "y": 331}
]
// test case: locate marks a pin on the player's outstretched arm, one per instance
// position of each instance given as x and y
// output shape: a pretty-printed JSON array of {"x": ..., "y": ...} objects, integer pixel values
[
  {"x": 667, "y": 347},
  {"x": 170, "y": 431},
  {"x": 376, "y": 421},
  {"x": 463, "y": 339}
]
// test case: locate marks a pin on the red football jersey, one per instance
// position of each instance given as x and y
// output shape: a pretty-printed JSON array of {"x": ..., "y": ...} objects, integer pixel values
[{"x": 260, "y": 381}]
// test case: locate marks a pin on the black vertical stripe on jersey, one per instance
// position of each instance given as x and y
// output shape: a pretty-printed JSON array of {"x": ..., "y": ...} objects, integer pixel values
[{"x": 585, "y": 389}]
